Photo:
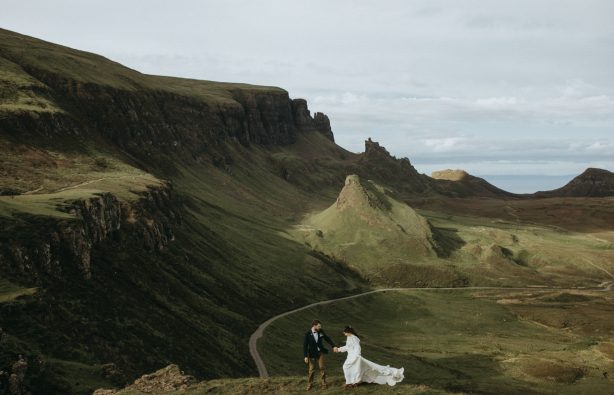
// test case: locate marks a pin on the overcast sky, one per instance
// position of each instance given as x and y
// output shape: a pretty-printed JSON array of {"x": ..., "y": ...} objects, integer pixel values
[{"x": 497, "y": 88}]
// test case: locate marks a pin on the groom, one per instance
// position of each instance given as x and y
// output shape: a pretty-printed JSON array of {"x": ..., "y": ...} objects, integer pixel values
[{"x": 313, "y": 350}]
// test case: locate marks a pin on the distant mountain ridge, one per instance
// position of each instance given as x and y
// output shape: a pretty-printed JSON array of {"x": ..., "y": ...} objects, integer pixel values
[{"x": 592, "y": 182}]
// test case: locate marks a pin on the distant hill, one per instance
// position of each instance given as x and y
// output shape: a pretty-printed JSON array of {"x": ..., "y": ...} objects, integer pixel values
[
  {"x": 591, "y": 183},
  {"x": 459, "y": 183}
]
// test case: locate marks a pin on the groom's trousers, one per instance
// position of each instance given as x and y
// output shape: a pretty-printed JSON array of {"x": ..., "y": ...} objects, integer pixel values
[{"x": 312, "y": 368}]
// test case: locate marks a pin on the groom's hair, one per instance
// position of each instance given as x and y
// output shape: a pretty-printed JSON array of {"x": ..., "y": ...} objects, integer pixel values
[{"x": 315, "y": 322}]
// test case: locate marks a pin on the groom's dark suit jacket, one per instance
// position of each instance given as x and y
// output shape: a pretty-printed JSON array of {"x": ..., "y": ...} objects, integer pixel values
[{"x": 310, "y": 347}]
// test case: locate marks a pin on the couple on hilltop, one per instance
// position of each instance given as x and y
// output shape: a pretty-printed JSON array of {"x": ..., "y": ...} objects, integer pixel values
[{"x": 355, "y": 368}]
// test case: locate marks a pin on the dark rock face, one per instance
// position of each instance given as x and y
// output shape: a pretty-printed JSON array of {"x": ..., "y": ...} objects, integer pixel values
[
  {"x": 153, "y": 125},
  {"x": 376, "y": 153},
  {"x": 65, "y": 246},
  {"x": 591, "y": 183},
  {"x": 322, "y": 124},
  {"x": 304, "y": 122},
  {"x": 263, "y": 118},
  {"x": 379, "y": 162}
]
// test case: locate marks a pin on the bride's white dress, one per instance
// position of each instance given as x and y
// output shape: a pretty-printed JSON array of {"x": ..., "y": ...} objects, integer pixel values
[{"x": 358, "y": 369}]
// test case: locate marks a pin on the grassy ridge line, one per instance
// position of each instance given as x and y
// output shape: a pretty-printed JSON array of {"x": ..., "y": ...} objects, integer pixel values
[
  {"x": 20, "y": 55},
  {"x": 10, "y": 291},
  {"x": 50, "y": 204}
]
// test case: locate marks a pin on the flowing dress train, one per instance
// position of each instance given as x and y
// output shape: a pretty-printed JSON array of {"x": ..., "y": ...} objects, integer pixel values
[{"x": 358, "y": 369}]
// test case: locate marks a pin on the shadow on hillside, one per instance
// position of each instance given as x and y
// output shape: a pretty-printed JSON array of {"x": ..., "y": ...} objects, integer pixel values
[
  {"x": 472, "y": 373},
  {"x": 447, "y": 241}
]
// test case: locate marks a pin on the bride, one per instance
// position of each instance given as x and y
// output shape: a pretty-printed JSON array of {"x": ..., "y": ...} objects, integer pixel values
[{"x": 358, "y": 369}]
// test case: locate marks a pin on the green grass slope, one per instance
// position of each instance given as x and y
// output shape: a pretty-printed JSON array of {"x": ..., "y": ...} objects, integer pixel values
[
  {"x": 491, "y": 341},
  {"x": 369, "y": 230},
  {"x": 194, "y": 303}
]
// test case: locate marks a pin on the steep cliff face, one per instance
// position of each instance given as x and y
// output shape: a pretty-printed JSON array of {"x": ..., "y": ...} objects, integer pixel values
[
  {"x": 151, "y": 118},
  {"x": 53, "y": 248},
  {"x": 153, "y": 125},
  {"x": 304, "y": 121}
]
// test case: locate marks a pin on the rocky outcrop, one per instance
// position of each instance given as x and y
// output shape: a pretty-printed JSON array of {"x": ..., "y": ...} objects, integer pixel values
[
  {"x": 304, "y": 122},
  {"x": 18, "y": 372},
  {"x": 450, "y": 175},
  {"x": 50, "y": 248},
  {"x": 381, "y": 165},
  {"x": 355, "y": 195},
  {"x": 170, "y": 378},
  {"x": 591, "y": 183},
  {"x": 15, "y": 378}
]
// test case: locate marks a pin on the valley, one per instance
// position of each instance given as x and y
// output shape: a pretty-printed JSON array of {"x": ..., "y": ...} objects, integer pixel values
[{"x": 150, "y": 222}]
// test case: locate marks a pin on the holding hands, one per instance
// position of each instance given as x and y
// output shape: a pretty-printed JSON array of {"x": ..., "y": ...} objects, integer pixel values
[{"x": 335, "y": 349}]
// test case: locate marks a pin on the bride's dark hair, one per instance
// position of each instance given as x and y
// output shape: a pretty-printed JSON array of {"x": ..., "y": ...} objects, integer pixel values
[{"x": 349, "y": 329}]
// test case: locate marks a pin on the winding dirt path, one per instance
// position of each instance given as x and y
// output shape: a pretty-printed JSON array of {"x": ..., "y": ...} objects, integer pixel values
[
  {"x": 253, "y": 340},
  {"x": 599, "y": 267},
  {"x": 81, "y": 184},
  {"x": 97, "y": 180}
]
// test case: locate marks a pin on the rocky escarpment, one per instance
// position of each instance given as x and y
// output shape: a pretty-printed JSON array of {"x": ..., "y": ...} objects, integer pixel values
[
  {"x": 153, "y": 125},
  {"x": 42, "y": 249},
  {"x": 150, "y": 118},
  {"x": 591, "y": 183}
]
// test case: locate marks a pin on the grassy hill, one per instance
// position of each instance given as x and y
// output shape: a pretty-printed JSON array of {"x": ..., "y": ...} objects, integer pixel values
[{"x": 370, "y": 231}]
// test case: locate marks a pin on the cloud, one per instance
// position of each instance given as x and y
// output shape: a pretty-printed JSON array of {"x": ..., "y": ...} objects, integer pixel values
[
  {"x": 446, "y": 144},
  {"x": 506, "y": 83}
]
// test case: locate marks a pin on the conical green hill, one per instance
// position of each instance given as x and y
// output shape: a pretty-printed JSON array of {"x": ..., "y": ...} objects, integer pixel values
[{"x": 369, "y": 229}]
